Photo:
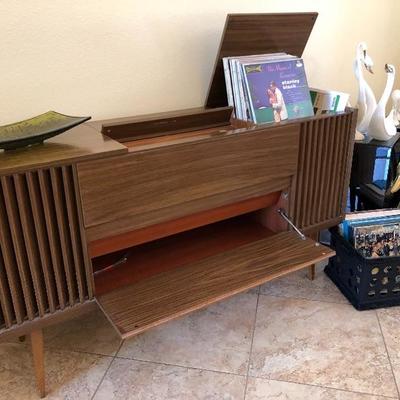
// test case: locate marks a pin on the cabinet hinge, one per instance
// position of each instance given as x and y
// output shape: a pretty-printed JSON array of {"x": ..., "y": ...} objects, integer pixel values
[{"x": 283, "y": 214}]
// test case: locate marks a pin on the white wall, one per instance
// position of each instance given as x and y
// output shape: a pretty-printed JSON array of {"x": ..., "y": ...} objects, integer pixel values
[{"x": 124, "y": 57}]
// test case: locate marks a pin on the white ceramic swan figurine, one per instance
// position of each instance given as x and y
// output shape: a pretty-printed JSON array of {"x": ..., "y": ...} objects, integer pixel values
[
  {"x": 366, "y": 103},
  {"x": 395, "y": 113},
  {"x": 380, "y": 126}
]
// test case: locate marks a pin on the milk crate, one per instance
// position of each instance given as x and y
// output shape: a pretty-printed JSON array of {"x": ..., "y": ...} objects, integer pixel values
[{"x": 367, "y": 283}]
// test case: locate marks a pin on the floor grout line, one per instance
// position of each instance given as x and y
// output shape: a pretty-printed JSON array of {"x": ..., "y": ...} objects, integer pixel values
[
  {"x": 106, "y": 371},
  {"x": 304, "y": 298},
  {"x": 55, "y": 348},
  {"x": 246, "y": 374},
  {"x": 180, "y": 366},
  {"x": 251, "y": 346},
  {"x": 325, "y": 387},
  {"x": 387, "y": 353}
]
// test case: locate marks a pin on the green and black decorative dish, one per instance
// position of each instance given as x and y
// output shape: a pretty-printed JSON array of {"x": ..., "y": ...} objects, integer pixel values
[{"x": 37, "y": 129}]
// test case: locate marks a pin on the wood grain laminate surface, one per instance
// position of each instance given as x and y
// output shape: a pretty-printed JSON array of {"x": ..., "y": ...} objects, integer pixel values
[
  {"x": 172, "y": 227},
  {"x": 324, "y": 165},
  {"x": 177, "y": 250},
  {"x": 80, "y": 143},
  {"x": 145, "y": 188},
  {"x": 163, "y": 297},
  {"x": 42, "y": 265},
  {"x": 165, "y": 115},
  {"x": 248, "y": 34},
  {"x": 158, "y": 125}
]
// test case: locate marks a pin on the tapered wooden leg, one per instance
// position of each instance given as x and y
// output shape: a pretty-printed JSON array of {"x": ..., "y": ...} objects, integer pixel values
[
  {"x": 311, "y": 272},
  {"x": 38, "y": 360},
  {"x": 312, "y": 268}
]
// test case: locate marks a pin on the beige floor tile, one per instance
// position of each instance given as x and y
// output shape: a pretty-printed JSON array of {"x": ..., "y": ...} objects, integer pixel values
[
  {"x": 389, "y": 319},
  {"x": 254, "y": 290},
  {"x": 262, "y": 389},
  {"x": 91, "y": 333},
  {"x": 298, "y": 285},
  {"x": 318, "y": 343},
  {"x": 396, "y": 372},
  {"x": 217, "y": 338},
  {"x": 69, "y": 375},
  {"x": 136, "y": 380}
]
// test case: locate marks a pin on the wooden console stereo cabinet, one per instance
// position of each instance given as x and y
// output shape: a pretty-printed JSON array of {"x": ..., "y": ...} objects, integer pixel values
[{"x": 153, "y": 217}]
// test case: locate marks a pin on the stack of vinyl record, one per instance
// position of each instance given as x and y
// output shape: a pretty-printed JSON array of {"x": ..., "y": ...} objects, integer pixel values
[
  {"x": 374, "y": 233},
  {"x": 267, "y": 87}
]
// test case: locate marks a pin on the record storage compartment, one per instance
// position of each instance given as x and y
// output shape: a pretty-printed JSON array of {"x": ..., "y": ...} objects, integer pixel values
[
  {"x": 366, "y": 283},
  {"x": 159, "y": 280}
]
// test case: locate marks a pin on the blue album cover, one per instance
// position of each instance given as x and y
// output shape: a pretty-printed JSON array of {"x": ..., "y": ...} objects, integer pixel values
[{"x": 278, "y": 90}]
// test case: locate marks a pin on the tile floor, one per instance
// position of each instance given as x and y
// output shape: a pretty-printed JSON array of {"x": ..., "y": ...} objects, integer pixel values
[{"x": 292, "y": 339}]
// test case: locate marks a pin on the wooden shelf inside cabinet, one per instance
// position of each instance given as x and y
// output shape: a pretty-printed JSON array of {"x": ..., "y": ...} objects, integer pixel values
[{"x": 165, "y": 296}]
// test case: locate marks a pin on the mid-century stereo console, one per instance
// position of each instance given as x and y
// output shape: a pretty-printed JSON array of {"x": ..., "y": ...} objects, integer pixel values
[{"x": 153, "y": 217}]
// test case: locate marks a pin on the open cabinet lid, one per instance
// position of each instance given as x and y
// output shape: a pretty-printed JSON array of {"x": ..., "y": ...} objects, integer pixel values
[
  {"x": 248, "y": 34},
  {"x": 146, "y": 303}
]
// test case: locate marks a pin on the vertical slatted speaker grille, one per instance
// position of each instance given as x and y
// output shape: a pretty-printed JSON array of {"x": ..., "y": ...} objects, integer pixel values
[
  {"x": 42, "y": 257},
  {"x": 324, "y": 146}
]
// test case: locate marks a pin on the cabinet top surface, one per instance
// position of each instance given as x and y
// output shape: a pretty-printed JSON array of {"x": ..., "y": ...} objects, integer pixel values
[
  {"x": 86, "y": 142},
  {"x": 80, "y": 143}
]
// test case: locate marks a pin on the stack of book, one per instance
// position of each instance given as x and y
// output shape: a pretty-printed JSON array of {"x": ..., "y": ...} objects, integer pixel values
[
  {"x": 375, "y": 233},
  {"x": 267, "y": 87}
]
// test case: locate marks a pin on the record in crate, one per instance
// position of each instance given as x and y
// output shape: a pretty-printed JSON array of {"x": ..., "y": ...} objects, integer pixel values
[{"x": 376, "y": 241}]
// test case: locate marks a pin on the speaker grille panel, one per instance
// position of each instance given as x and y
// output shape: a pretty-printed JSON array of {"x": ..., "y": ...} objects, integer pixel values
[
  {"x": 320, "y": 195},
  {"x": 42, "y": 251}
]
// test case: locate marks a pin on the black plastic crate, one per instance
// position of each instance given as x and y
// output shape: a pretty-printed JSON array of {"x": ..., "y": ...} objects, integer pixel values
[{"x": 367, "y": 283}]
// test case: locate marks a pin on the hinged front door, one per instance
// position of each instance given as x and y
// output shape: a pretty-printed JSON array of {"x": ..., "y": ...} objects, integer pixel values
[{"x": 149, "y": 302}]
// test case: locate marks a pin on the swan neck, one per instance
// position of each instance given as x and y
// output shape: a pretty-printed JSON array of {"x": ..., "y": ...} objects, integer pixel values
[
  {"x": 358, "y": 69},
  {"x": 388, "y": 89}
]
